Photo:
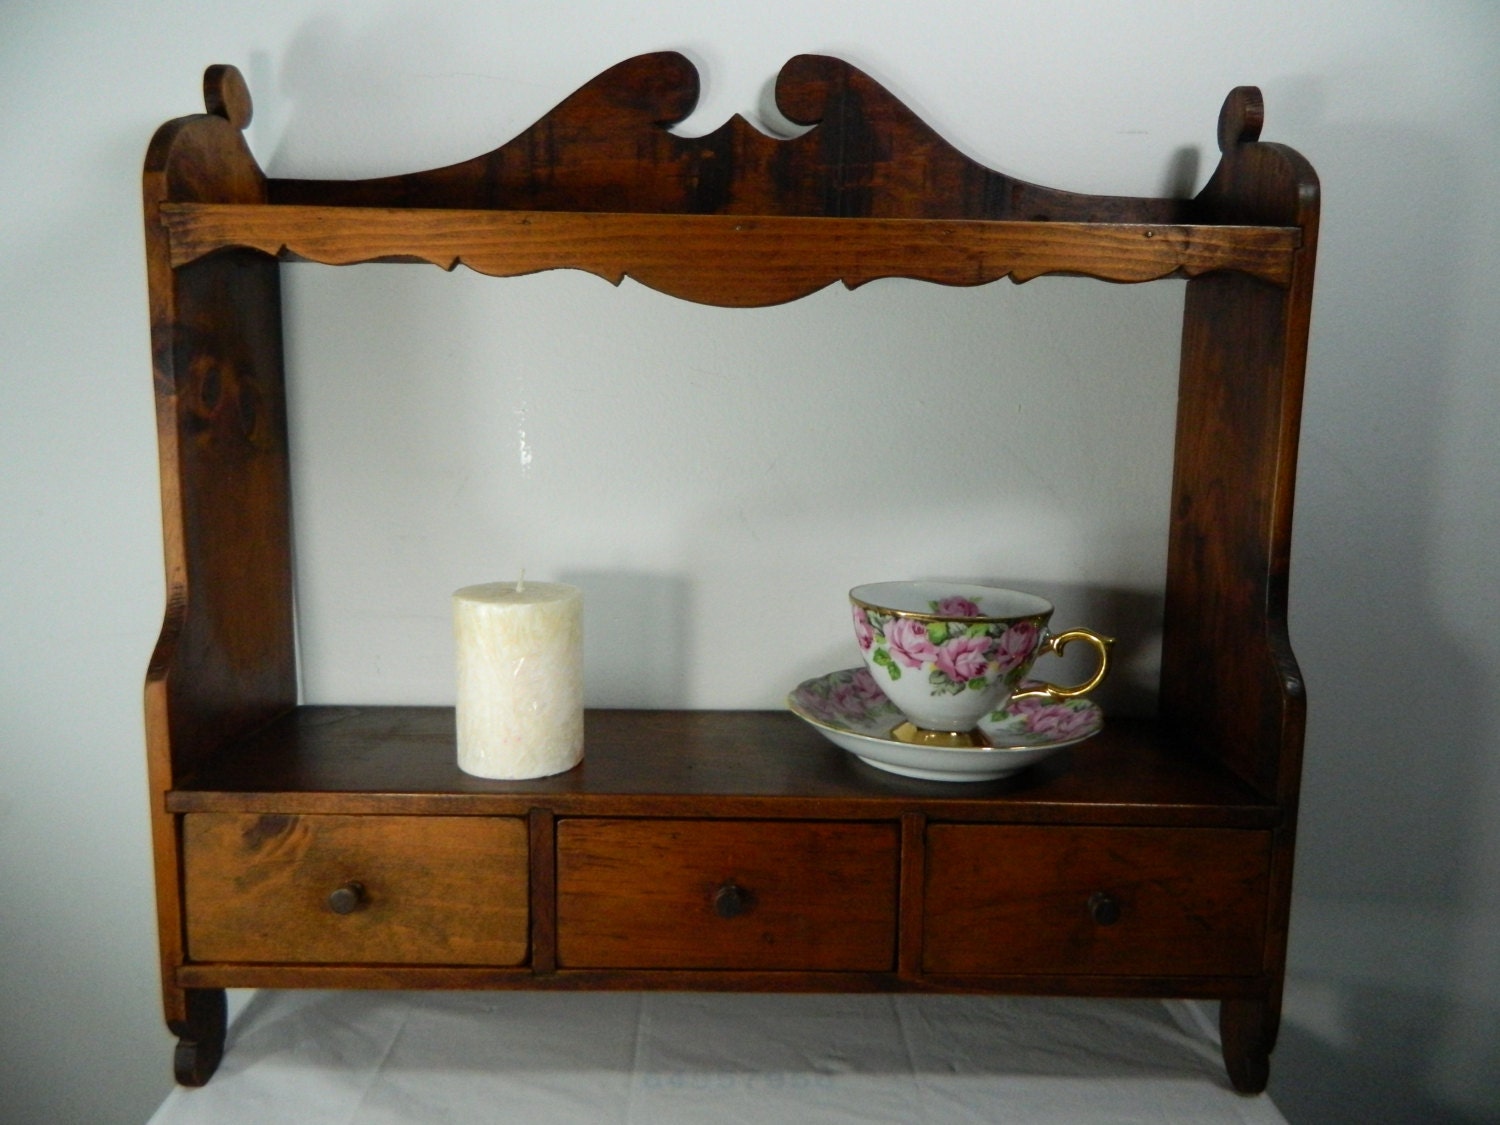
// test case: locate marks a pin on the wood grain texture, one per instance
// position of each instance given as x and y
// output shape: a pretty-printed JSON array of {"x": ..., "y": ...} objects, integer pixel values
[
  {"x": 641, "y": 894},
  {"x": 608, "y": 147},
  {"x": 436, "y": 977},
  {"x": 794, "y": 866},
  {"x": 1008, "y": 899},
  {"x": 224, "y": 662},
  {"x": 435, "y": 890},
  {"x": 913, "y": 894},
  {"x": 731, "y": 261},
  {"x": 1229, "y": 677},
  {"x": 542, "y": 830},
  {"x": 702, "y": 763}
]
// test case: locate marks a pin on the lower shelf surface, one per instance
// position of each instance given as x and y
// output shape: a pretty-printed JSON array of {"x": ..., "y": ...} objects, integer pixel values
[{"x": 335, "y": 759}]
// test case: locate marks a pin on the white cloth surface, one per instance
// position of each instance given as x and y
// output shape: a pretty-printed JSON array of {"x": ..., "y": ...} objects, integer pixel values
[{"x": 371, "y": 1058}]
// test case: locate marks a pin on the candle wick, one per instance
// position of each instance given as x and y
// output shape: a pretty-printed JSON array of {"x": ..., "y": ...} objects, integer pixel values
[{"x": 521, "y": 582}]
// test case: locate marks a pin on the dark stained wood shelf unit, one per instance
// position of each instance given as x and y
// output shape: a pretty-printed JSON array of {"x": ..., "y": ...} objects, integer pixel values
[{"x": 341, "y": 847}]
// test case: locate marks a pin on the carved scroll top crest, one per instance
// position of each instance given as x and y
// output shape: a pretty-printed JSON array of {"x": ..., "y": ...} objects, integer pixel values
[{"x": 608, "y": 147}]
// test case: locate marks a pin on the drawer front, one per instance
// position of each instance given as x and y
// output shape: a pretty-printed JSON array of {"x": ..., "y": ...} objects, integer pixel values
[
  {"x": 1128, "y": 901},
  {"x": 683, "y": 894},
  {"x": 333, "y": 889}
]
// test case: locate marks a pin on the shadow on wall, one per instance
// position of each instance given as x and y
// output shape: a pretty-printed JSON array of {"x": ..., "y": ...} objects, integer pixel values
[
  {"x": 636, "y": 638},
  {"x": 1132, "y": 617},
  {"x": 638, "y": 641},
  {"x": 1377, "y": 1071},
  {"x": 1398, "y": 787}
]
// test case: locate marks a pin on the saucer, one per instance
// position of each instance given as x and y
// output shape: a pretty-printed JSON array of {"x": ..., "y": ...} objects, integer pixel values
[{"x": 851, "y": 711}]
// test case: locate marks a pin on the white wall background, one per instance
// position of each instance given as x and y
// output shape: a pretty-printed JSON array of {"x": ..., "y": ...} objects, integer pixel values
[{"x": 705, "y": 474}]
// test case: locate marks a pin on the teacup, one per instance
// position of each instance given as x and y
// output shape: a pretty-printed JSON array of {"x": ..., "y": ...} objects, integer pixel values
[{"x": 948, "y": 654}]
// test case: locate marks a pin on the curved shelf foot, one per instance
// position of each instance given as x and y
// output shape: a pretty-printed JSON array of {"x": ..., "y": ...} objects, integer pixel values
[
  {"x": 200, "y": 1037},
  {"x": 1247, "y": 1032}
]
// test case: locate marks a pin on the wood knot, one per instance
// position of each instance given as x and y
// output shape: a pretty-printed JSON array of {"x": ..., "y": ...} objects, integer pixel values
[
  {"x": 226, "y": 95},
  {"x": 266, "y": 829}
]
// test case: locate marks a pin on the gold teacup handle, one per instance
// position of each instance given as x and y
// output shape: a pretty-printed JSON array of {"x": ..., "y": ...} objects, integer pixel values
[{"x": 1056, "y": 644}]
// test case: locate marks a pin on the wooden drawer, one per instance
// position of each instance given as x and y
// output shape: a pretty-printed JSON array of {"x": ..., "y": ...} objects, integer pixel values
[
  {"x": 431, "y": 890},
  {"x": 723, "y": 894},
  {"x": 1004, "y": 899}
]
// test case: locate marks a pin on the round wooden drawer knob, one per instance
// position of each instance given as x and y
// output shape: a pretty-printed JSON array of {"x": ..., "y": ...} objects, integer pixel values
[
  {"x": 348, "y": 898},
  {"x": 731, "y": 900},
  {"x": 1104, "y": 909}
]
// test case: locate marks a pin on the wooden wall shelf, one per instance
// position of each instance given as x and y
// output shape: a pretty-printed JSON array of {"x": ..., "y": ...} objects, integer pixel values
[{"x": 337, "y": 847}]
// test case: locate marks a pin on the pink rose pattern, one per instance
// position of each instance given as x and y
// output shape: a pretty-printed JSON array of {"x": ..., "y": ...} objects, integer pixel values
[
  {"x": 956, "y": 658},
  {"x": 1064, "y": 719},
  {"x": 1017, "y": 645},
  {"x": 910, "y": 643},
  {"x": 955, "y": 607},
  {"x": 852, "y": 699},
  {"x": 964, "y": 658}
]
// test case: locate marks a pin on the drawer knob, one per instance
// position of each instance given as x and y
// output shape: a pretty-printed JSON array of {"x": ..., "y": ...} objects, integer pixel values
[
  {"x": 348, "y": 898},
  {"x": 731, "y": 900},
  {"x": 1104, "y": 909}
]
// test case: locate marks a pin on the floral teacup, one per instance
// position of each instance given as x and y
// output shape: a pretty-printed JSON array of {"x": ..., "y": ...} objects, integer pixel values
[{"x": 947, "y": 655}]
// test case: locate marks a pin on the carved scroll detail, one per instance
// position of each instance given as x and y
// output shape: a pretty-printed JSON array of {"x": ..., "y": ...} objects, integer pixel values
[
  {"x": 736, "y": 217},
  {"x": 608, "y": 147}
]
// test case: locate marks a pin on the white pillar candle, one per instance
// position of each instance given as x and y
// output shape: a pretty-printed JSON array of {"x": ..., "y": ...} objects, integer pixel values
[{"x": 520, "y": 678}]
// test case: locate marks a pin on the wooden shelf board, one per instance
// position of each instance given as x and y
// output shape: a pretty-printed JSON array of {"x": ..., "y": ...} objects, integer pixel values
[
  {"x": 403, "y": 760},
  {"x": 730, "y": 259},
  {"x": 437, "y": 977}
]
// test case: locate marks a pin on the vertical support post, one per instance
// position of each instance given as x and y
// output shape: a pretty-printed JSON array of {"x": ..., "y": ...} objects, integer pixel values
[
  {"x": 1231, "y": 687},
  {"x": 224, "y": 663}
]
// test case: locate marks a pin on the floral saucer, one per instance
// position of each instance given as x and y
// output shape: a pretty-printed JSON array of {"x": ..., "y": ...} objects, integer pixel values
[{"x": 851, "y": 711}]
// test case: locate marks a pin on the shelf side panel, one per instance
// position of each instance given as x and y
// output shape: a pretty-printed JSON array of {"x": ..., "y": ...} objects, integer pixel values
[
  {"x": 1230, "y": 681},
  {"x": 224, "y": 663},
  {"x": 608, "y": 147},
  {"x": 226, "y": 657}
]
